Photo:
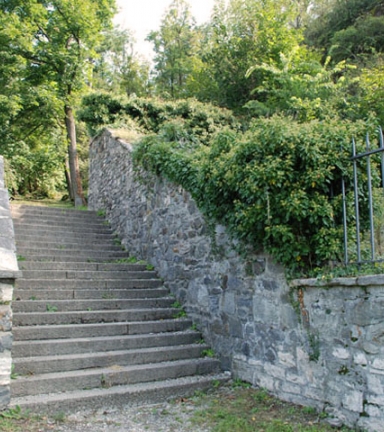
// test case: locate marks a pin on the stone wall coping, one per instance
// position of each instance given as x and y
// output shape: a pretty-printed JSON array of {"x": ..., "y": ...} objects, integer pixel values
[
  {"x": 10, "y": 274},
  {"x": 112, "y": 134},
  {"x": 369, "y": 280}
]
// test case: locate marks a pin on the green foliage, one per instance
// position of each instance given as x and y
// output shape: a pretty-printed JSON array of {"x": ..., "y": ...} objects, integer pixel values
[
  {"x": 180, "y": 119},
  {"x": 50, "y": 308},
  {"x": 277, "y": 186},
  {"x": 174, "y": 46},
  {"x": 346, "y": 28},
  {"x": 240, "y": 33}
]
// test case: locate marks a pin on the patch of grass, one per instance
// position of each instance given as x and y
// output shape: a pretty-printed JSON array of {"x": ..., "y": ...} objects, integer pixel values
[
  {"x": 128, "y": 260},
  {"x": 240, "y": 408},
  {"x": 21, "y": 258},
  {"x": 101, "y": 213},
  {"x": 50, "y": 308}
]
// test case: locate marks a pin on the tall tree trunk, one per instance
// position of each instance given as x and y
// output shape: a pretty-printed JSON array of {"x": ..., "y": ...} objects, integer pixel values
[
  {"x": 68, "y": 179},
  {"x": 74, "y": 171}
]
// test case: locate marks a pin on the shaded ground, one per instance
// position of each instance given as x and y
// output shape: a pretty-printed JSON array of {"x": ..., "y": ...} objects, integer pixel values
[{"x": 232, "y": 408}]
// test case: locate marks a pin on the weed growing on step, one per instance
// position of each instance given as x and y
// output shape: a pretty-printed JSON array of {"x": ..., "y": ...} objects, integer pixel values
[
  {"x": 208, "y": 353},
  {"x": 14, "y": 375},
  {"x": 51, "y": 308},
  {"x": 101, "y": 213},
  {"x": 108, "y": 296},
  {"x": 21, "y": 258}
]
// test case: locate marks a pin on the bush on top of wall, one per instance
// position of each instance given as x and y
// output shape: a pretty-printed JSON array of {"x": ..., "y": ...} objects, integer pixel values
[
  {"x": 276, "y": 186},
  {"x": 202, "y": 120}
]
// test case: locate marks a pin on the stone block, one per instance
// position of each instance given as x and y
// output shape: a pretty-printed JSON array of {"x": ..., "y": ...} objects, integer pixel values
[
  {"x": 8, "y": 261},
  {"x": 228, "y": 303},
  {"x": 265, "y": 310},
  {"x": 360, "y": 359},
  {"x": 341, "y": 353},
  {"x": 378, "y": 363},
  {"x": 6, "y": 291},
  {"x": 5, "y": 318},
  {"x": 5, "y": 368},
  {"x": 275, "y": 371},
  {"x": 353, "y": 401},
  {"x": 5, "y": 397}
]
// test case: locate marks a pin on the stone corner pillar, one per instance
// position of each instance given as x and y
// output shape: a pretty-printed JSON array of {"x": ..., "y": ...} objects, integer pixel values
[{"x": 9, "y": 272}]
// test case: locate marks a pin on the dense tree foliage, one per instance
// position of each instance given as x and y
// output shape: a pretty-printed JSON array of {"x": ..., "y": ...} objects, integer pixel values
[
  {"x": 53, "y": 43},
  {"x": 174, "y": 46}
]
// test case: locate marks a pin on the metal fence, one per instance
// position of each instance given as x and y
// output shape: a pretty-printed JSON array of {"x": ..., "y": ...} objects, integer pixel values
[{"x": 358, "y": 240}]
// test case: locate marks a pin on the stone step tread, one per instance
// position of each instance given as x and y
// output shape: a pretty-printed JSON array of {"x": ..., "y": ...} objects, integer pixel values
[
  {"x": 78, "y": 331},
  {"x": 60, "y": 254},
  {"x": 45, "y": 347},
  {"x": 111, "y": 294},
  {"x": 84, "y": 317},
  {"x": 50, "y": 225},
  {"x": 68, "y": 244},
  {"x": 44, "y": 230},
  {"x": 118, "y": 338},
  {"x": 66, "y": 235},
  {"x": 83, "y": 266},
  {"x": 133, "y": 394},
  {"x": 41, "y": 306},
  {"x": 80, "y": 274},
  {"x": 111, "y": 376},
  {"x": 82, "y": 361},
  {"x": 26, "y": 208},
  {"x": 103, "y": 284}
]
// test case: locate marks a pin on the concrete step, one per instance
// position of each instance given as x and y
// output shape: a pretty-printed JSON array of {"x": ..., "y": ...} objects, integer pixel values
[
  {"x": 75, "y": 331},
  {"x": 89, "y": 275},
  {"x": 83, "y": 266},
  {"x": 19, "y": 210},
  {"x": 112, "y": 376},
  {"x": 70, "y": 362},
  {"x": 42, "y": 306},
  {"x": 19, "y": 294},
  {"x": 119, "y": 396},
  {"x": 59, "y": 347},
  {"x": 91, "y": 317},
  {"x": 22, "y": 229},
  {"x": 65, "y": 224},
  {"x": 66, "y": 255},
  {"x": 69, "y": 245},
  {"x": 102, "y": 284},
  {"x": 91, "y": 328},
  {"x": 60, "y": 235}
]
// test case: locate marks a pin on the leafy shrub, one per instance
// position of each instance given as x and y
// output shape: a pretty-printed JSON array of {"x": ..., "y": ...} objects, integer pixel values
[
  {"x": 277, "y": 186},
  {"x": 198, "y": 119}
]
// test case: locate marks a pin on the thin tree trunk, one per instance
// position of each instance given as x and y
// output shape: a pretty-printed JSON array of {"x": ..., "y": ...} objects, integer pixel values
[
  {"x": 74, "y": 171},
  {"x": 68, "y": 179}
]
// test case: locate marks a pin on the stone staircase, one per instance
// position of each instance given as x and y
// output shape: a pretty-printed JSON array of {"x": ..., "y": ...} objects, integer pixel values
[{"x": 91, "y": 329}]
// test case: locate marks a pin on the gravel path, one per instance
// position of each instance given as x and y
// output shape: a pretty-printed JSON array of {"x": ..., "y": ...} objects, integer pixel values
[{"x": 172, "y": 416}]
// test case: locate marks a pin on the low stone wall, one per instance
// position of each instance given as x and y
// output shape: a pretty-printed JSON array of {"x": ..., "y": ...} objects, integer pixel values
[
  {"x": 319, "y": 345},
  {"x": 8, "y": 274}
]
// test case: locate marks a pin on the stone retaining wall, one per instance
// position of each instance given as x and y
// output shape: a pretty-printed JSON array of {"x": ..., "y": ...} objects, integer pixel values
[
  {"x": 8, "y": 274},
  {"x": 319, "y": 345}
]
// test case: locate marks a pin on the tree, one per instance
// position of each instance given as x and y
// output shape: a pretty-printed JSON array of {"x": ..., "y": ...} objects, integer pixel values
[
  {"x": 174, "y": 48},
  {"x": 57, "y": 39},
  {"x": 356, "y": 23},
  {"x": 240, "y": 34},
  {"x": 119, "y": 69}
]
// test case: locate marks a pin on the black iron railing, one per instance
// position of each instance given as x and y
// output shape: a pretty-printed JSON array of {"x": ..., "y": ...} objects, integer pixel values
[{"x": 355, "y": 158}]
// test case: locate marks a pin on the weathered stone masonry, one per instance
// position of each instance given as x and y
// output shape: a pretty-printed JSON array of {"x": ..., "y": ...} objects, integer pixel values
[
  {"x": 319, "y": 345},
  {"x": 8, "y": 273}
]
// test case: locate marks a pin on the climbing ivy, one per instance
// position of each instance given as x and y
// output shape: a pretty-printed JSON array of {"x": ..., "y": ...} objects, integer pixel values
[{"x": 277, "y": 186}]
